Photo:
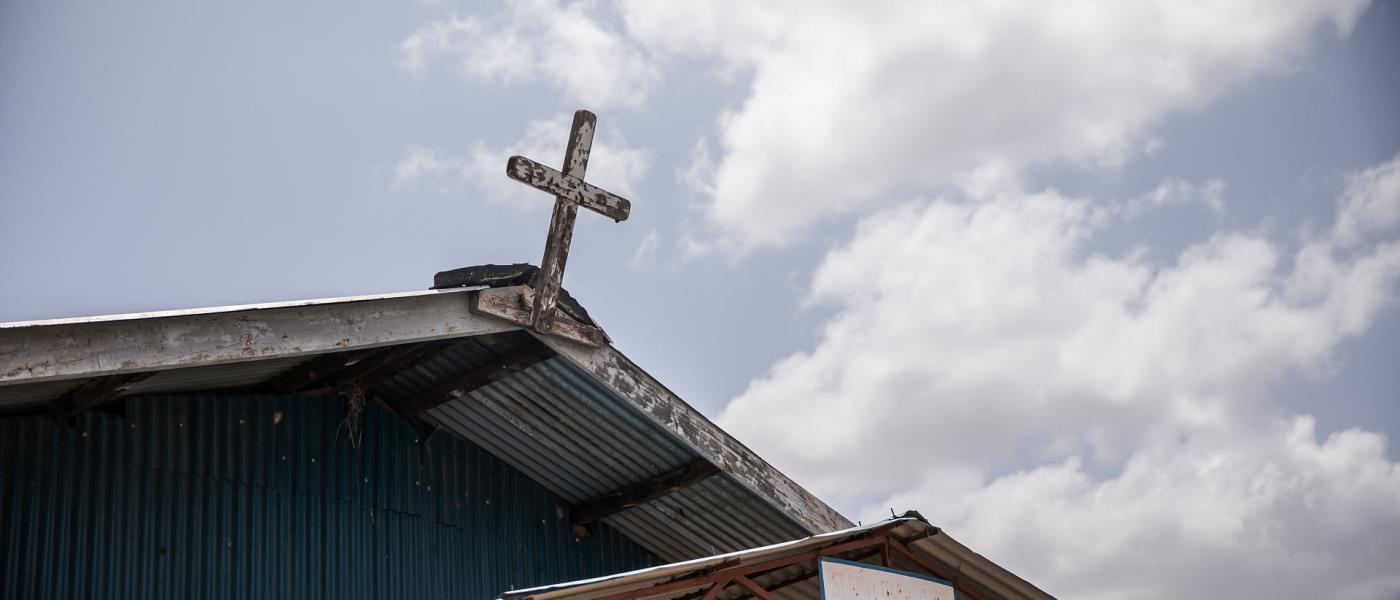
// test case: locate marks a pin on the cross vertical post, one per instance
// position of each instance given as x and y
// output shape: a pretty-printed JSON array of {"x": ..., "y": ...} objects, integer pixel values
[
  {"x": 570, "y": 191},
  {"x": 561, "y": 224}
]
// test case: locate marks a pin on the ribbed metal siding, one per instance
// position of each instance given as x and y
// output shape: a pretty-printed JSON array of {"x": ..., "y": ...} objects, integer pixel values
[{"x": 207, "y": 496}]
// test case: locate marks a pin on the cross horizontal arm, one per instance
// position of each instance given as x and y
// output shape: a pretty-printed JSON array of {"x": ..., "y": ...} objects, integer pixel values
[{"x": 568, "y": 187}]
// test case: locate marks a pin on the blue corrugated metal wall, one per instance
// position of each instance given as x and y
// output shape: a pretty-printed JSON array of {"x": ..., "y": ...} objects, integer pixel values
[{"x": 259, "y": 497}]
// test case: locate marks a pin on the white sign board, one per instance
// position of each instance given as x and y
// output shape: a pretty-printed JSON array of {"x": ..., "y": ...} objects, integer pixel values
[{"x": 846, "y": 580}]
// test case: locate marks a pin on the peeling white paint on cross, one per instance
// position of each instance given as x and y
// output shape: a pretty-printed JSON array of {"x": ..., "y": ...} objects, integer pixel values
[{"x": 570, "y": 191}]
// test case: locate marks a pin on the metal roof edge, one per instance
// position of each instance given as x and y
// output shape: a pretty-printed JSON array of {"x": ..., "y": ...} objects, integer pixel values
[
  {"x": 210, "y": 310},
  {"x": 36, "y": 351},
  {"x": 970, "y": 567},
  {"x": 545, "y": 592},
  {"x": 979, "y": 569}
]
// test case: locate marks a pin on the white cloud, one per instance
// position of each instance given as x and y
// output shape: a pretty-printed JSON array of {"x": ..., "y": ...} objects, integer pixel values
[
  {"x": 645, "y": 254},
  {"x": 538, "y": 41},
  {"x": 850, "y": 104},
  {"x": 1371, "y": 203},
  {"x": 1265, "y": 515},
  {"x": 613, "y": 165},
  {"x": 420, "y": 164},
  {"x": 1176, "y": 192},
  {"x": 985, "y": 367}
]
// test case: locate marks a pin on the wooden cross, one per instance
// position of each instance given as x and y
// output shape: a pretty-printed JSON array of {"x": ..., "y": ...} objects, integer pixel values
[{"x": 570, "y": 191}]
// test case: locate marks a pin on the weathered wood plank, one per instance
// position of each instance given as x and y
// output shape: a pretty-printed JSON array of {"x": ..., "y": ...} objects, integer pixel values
[
  {"x": 580, "y": 145},
  {"x": 551, "y": 276},
  {"x": 570, "y": 188},
  {"x": 570, "y": 191},
  {"x": 664, "y": 408},
  {"x": 561, "y": 223},
  {"x": 738, "y": 568},
  {"x": 642, "y": 492},
  {"x": 95, "y": 392},
  {"x": 514, "y": 304},
  {"x": 106, "y": 347}
]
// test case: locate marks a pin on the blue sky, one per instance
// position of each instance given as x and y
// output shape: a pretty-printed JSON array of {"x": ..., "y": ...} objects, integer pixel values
[{"x": 1109, "y": 292}]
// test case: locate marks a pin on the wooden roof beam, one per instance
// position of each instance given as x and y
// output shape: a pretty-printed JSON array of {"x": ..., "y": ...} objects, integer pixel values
[
  {"x": 364, "y": 367},
  {"x": 316, "y": 369},
  {"x": 753, "y": 588},
  {"x": 94, "y": 392},
  {"x": 874, "y": 537},
  {"x": 461, "y": 385},
  {"x": 715, "y": 589},
  {"x": 883, "y": 552},
  {"x": 384, "y": 365},
  {"x": 642, "y": 492}
]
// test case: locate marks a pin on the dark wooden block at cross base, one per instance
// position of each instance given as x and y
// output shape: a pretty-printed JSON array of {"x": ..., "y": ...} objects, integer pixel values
[
  {"x": 514, "y": 304},
  {"x": 507, "y": 276},
  {"x": 487, "y": 275}
]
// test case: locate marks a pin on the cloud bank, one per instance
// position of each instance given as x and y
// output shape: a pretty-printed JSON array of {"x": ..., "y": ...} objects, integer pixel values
[
  {"x": 537, "y": 40},
  {"x": 1102, "y": 425},
  {"x": 851, "y": 105}
]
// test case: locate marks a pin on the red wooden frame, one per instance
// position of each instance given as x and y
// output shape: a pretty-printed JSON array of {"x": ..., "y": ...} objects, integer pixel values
[{"x": 715, "y": 580}]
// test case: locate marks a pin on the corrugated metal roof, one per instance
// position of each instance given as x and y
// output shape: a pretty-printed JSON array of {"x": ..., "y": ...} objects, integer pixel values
[
  {"x": 190, "y": 379},
  {"x": 552, "y": 421},
  {"x": 35, "y": 395},
  {"x": 212, "y": 378},
  {"x": 580, "y": 439},
  {"x": 572, "y": 429},
  {"x": 261, "y": 496}
]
